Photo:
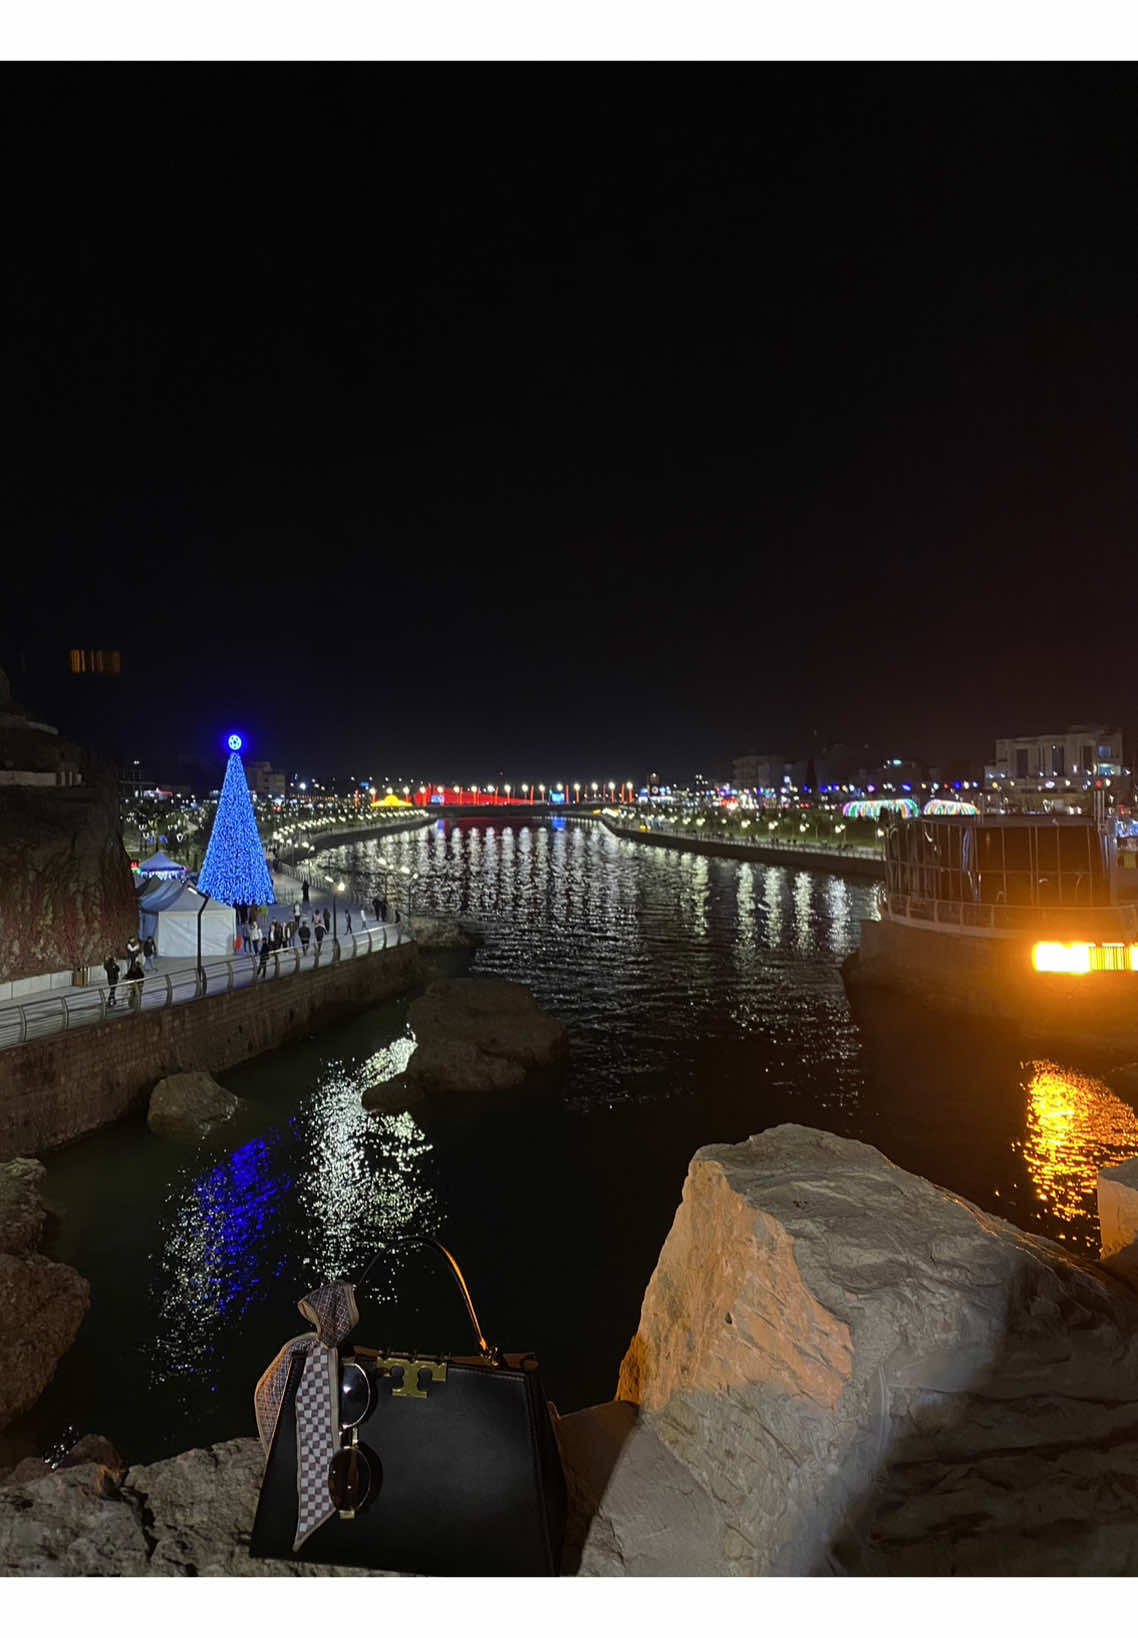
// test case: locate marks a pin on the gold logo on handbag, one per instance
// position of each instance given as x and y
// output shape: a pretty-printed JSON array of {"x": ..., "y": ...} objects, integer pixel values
[{"x": 408, "y": 1387}]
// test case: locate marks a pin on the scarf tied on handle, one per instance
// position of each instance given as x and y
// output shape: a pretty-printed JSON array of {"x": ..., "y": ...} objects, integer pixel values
[{"x": 332, "y": 1310}]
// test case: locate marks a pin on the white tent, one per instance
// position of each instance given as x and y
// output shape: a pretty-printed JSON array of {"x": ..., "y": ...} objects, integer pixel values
[
  {"x": 168, "y": 912},
  {"x": 159, "y": 865}
]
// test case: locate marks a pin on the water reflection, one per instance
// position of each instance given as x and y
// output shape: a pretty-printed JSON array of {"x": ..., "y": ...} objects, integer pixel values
[
  {"x": 1075, "y": 1127},
  {"x": 219, "y": 1245}
]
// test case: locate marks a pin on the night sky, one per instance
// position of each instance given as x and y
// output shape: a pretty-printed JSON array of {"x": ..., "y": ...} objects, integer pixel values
[{"x": 571, "y": 421}]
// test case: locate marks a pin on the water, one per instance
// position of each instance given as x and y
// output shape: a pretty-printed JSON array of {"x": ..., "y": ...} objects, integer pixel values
[{"x": 703, "y": 1001}]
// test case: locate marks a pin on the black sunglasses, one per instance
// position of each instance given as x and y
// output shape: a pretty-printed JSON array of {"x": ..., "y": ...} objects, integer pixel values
[{"x": 354, "y": 1473}]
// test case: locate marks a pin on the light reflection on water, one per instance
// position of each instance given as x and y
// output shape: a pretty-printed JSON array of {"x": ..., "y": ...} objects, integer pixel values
[
  {"x": 1075, "y": 1127},
  {"x": 703, "y": 1002}
]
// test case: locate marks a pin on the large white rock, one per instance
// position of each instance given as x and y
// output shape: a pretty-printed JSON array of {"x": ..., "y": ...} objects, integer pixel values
[
  {"x": 1118, "y": 1207},
  {"x": 845, "y": 1369}
]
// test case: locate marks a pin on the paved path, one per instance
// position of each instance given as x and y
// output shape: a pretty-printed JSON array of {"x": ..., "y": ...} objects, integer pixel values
[{"x": 173, "y": 979}]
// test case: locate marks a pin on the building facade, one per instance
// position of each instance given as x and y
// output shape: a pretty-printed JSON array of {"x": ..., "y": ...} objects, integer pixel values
[{"x": 1059, "y": 772}]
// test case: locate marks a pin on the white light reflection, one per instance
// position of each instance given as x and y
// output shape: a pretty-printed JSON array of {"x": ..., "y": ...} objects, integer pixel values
[{"x": 362, "y": 1177}]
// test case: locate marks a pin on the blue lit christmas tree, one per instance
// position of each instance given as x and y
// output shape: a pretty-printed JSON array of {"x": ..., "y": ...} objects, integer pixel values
[{"x": 234, "y": 870}]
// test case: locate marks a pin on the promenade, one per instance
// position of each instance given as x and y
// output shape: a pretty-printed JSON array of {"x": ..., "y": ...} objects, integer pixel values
[
  {"x": 846, "y": 861},
  {"x": 173, "y": 980}
]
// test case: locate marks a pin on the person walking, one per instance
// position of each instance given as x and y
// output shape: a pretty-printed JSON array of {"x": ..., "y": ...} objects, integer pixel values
[
  {"x": 134, "y": 977},
  {"x": 111, "y": 968},
  {"x": 133, "y": 948},
  {"x": 305, "y": 935},
  {"x": 150, "y": 951},
  {"x": 304, "y": 891},
  {"x": 375, "y": 904},
  {"x": 263, "y": 967},
  {"x": 348, "y": 920},
  {"x": 254, "y": 938},
  {"x": 318, "y": 929},
  {"x": 278, "y": 934}
]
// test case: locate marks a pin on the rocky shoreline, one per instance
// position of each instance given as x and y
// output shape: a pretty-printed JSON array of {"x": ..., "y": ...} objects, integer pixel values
[{"x": 840, "y": 1369}]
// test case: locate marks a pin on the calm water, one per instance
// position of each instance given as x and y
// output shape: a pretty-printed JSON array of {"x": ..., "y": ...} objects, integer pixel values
[{"x": 703, "y": 1002}]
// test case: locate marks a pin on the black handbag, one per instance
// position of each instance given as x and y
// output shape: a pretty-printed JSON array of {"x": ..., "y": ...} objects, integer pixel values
[{"x": 442, "y": 1465}]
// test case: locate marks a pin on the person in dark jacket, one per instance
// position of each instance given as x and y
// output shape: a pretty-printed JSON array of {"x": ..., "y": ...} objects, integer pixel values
[
  {"x": 375, "y": 904},
  {"x": 134, "y": 977},
  {"x": 111, "y": 968},
  {"x": 304, "y": 892},
  {"x": 319, "y": 931},
  {"x": 264, "y": 963},
  {"x": 149, "y": 951},
  {"x": 305, "y": 935}
]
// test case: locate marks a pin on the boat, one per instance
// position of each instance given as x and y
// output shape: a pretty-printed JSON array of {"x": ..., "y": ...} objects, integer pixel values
[{"x": 1014, "y": 917}]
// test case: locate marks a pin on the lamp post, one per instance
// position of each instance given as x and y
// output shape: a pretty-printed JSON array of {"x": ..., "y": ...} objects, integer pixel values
[
  {"x": 337, "y": 887},
  {"x": 201, "y": 969}
]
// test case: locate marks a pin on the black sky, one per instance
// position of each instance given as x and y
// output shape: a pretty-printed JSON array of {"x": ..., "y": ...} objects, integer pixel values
[{"x": 572, "y": 420}]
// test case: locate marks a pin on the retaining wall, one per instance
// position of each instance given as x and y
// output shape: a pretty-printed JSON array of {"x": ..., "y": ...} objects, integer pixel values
[
  {"x": 58, "y": 1088},
  {"x": 827, "y": 859}
]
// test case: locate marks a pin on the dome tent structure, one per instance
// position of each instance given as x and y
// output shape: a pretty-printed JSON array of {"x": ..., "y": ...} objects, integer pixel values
[{"x": 168, "y": 913}]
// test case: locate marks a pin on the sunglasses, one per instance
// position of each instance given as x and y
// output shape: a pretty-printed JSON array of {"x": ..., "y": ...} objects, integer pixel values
[{"x": 354, "y": 1473}]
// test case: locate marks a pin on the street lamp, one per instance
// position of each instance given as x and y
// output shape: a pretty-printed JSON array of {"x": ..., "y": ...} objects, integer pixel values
[{"x": 337, "y": 887}]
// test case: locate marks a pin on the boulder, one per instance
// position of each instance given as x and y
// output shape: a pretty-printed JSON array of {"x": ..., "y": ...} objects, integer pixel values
[
  {"x": 188, "y": 1516},
  {"x": 480, "y": 1035},
  {"x": 22, "y": 1213},
  {"x": 92, "y": 1447},
  {"x": 445, "y": 932},
  {"x": 188, "y": 1105},
  {"x": 42, "y": 1305},
  {"x": 843, "y": 1369}
]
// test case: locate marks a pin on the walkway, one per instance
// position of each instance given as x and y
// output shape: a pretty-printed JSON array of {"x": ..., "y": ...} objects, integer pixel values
[{"x": 174, "y": 979}]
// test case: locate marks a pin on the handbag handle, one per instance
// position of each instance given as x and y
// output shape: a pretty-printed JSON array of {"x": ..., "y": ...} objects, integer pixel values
[{"x": 487, "y": 1349}]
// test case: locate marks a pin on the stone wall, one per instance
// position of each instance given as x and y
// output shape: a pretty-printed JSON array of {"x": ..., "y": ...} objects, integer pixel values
[
  {"x": 56, "y": 1089},
  {"x": 830, "y": 860}
]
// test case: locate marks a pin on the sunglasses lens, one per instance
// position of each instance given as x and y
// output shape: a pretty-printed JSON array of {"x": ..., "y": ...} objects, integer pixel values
[
  {"x": 349, "y": 1479},
  {"x": 355, "y": 1395}
]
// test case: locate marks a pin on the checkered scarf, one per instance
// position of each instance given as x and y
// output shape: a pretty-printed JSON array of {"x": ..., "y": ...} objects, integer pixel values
[{"x": 332, "y": 1309}]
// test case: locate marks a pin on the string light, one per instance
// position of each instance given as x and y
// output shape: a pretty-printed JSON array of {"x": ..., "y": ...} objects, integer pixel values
[{"x": 234, "y": 870}]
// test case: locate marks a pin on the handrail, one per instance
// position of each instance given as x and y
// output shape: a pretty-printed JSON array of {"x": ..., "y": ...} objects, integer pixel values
[
  {"x": 91, "y": 1004},
  {"x": 1072, "y": 921}
]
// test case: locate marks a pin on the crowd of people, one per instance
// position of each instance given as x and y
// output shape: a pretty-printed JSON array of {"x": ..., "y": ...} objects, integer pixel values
[{"x": 251, "y": 939}]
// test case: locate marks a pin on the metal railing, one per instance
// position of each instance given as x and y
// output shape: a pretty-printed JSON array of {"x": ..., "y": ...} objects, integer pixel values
[
  {"x": 79, "y": 1008},
  {"x": 1095, "y": 923}
]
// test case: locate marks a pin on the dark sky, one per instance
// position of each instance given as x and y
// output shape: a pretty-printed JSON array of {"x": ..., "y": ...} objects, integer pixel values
[{"x": 571, "y": 421}]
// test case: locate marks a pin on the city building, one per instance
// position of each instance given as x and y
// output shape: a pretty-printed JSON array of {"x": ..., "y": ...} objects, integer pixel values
[
  {"x": 1060, "y": 771},
  {"x": 262, "y": 781}
]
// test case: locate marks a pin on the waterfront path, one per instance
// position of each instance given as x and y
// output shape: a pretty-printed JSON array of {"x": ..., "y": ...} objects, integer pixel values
[
  {"x": 173, "y": 980},
  {"x": 846, "y": 861}
]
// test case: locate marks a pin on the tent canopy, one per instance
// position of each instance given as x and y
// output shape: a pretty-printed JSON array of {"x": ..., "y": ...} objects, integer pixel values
[
  {"x": 159, "y": 865},
  {"x": 168, "y": 913}
]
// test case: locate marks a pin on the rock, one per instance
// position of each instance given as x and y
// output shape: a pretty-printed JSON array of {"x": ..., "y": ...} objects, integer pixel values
[
  {"x": 188, "y": 1516},
  {"x": 188, "y": 1105},
  {"x": 68, "y": 893},
  {"x": 480, "y": 1035},
  {"x": 393, "y": 1096},
  {"x": 842, "y": 1369},
  {"x": 22, "y": 1213},
  {"x": 1118, "y": 1207},
  {"x": 42, "y": 1305},
  {"x": 445, "y": 932},
  {"x": 91, "y": 1448}
]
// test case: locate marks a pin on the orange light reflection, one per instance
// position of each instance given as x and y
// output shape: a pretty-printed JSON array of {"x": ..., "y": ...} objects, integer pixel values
[{"x": 1075, "y": 1126}]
